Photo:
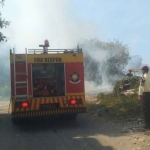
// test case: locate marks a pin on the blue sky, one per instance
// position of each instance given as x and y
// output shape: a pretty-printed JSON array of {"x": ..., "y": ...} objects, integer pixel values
[
  {"x": 126, "y": 20},
  {"x": 65, "y": 22}
]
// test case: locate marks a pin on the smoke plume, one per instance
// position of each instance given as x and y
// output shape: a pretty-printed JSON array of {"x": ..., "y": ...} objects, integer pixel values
[
  {"x": 34, "y": 21},
  {"x": 105, "y": 63}
]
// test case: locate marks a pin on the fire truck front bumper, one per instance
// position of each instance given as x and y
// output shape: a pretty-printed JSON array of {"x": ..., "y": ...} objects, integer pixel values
[{"x": 49, "y": 112}]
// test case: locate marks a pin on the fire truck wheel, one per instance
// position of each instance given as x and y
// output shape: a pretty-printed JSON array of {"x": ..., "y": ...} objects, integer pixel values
[{"x": 72, "y": 116}]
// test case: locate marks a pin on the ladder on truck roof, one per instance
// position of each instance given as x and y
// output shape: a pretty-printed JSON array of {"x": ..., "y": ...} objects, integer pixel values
[{"x": 21, "y": 84}]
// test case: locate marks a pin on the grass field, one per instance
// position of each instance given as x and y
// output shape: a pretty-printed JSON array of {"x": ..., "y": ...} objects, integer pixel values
[{"x": 118, "y": 104}]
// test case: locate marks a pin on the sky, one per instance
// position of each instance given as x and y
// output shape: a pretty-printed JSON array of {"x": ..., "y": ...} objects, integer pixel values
[{"x": 66, "y": 22}]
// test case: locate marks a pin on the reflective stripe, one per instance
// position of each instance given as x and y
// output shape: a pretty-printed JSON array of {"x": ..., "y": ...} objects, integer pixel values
[
  {"x": 34, "y": 103},
  {"x": 49, "y": 112}
]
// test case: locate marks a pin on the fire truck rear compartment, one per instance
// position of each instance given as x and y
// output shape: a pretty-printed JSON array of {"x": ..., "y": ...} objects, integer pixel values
[
  {"x": 47, "y": 83},
  {"x": 48, "y": 80}
]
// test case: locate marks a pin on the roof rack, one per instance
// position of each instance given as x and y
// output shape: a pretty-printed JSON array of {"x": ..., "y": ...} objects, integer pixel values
[
  {"x": 54, "y": 51},
  {"x": 45, "y": 50}
]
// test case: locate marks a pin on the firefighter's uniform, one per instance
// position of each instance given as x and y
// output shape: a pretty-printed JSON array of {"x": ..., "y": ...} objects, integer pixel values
[{"x": 144, "y": 90}]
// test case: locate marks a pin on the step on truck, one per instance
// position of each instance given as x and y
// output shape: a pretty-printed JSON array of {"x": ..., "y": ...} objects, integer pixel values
[{"x": 47, "y": 82}]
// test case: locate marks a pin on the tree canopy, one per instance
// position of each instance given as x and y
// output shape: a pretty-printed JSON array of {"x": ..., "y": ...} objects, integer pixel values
[
  {"x": 3, "y": 23},
  {"x": 105, "y": 62}
]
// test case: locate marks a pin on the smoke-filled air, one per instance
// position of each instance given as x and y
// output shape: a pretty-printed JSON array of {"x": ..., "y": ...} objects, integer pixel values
[
  {"x": 105, "y": 60},
  {"x": 105, "y": 63}
]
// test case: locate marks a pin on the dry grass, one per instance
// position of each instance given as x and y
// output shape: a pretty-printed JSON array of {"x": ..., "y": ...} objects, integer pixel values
[
  {"x": 117, "y": 103},
  {"x": 118, "y": 106}
]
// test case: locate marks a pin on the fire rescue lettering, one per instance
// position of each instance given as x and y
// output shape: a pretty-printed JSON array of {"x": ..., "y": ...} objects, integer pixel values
[{"x": 54, "y": 59}]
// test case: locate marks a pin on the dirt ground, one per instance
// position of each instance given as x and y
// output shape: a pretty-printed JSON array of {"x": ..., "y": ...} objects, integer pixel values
[{"x": 87, "y": 132}]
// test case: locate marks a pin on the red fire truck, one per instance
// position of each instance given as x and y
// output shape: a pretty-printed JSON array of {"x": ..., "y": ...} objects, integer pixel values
[{"x": 47, "y": 82}]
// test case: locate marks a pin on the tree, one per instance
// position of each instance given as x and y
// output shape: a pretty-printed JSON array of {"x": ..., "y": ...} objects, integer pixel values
[
  {"x": 105, "y": 62},
  {"x": 2, "y": 2},
  {"x": 3, "y": 23}
]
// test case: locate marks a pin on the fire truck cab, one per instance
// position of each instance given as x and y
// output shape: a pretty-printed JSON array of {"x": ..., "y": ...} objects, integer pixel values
[{"x": 47, "y": 82}]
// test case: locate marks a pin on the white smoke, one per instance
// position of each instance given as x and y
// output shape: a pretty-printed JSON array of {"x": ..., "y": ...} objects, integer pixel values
[
  {"x": 33, "y": 21},
  {"x": 135, "y": 62},
  {"x": 4, "y": 57},
  {"x": 92, "y": 88},
  {"x": 101, "y": 56}
]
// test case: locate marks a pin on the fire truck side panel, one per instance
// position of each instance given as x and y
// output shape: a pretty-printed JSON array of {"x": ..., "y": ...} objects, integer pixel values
[
  {"x": 74, "y": 86},
  {"x": 30, "y": 79},
  {"x": 12, "y": 79},
  {"x": 20, "y": 68}
]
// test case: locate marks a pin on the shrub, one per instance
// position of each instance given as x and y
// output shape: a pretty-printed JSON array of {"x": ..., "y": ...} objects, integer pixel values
[
  {"x": 134, "y": 84},
  {"x": 118, "y": 106}
]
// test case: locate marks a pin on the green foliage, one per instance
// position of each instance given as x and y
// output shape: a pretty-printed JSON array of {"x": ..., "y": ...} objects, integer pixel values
[
  {"x": 3, "y": 24},
  {"x": 134, "y": 84},
  {"x": 92, "y": 72},
  {"x": 118, "y": 106},
  {"x": 2, "y": 2},
  {"x": 112, "y": 60},
  {"x": 118, "y": 57}
]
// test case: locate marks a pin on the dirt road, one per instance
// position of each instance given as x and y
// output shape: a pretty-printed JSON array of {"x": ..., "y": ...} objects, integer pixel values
[{"x": 86, "y": 133}]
